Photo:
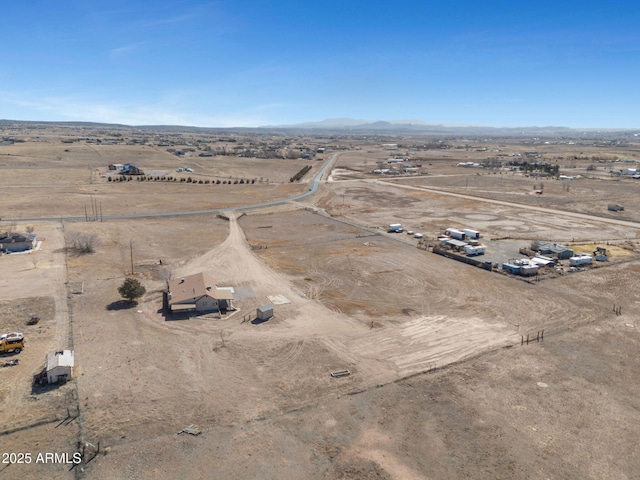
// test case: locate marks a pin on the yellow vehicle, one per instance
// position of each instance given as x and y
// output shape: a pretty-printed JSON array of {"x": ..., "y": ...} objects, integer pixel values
[{"x": 11, "y": 343}]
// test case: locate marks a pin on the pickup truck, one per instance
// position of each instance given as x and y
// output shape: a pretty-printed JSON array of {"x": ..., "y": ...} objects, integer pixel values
[{"x": 11, "y": 342}]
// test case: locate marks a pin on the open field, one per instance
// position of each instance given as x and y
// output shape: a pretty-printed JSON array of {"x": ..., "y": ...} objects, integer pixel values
[{"x": 442, "y": 383}]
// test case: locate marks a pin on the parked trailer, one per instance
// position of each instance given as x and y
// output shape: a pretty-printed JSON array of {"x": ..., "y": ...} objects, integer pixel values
[
  {"x": 471, "y": 233},
  {"x": 395, "y": 228},
  {"x": 520, "y": 267},
  {"x": 457, "y": 234},
  {"x": 472, "y": 250},
  {"x": 579, "y": 260},
  {"x": 511, "y": 268},
  {"x": 527, "y": 270}
]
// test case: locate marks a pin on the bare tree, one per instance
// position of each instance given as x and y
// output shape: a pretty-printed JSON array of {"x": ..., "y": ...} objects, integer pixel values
[
  {"x": 84, "y": 242},
  {"x": 11, "y": 227},
  {"x": 30, "y": 229}
]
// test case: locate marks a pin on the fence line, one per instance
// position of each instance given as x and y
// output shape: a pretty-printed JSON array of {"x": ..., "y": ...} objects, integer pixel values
[{"x": 463, "y": 259}]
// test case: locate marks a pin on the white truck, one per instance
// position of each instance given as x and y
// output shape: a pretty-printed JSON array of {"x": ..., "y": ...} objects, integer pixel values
[
  {"x": 454, "y": 233},
  {"x": 395, "y": 228},
  {"x": 11, "y": 342},
  {"x": 475, "y": 234}
]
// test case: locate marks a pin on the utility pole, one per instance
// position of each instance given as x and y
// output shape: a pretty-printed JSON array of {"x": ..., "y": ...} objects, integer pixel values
[{"x": 131, "y": 251}]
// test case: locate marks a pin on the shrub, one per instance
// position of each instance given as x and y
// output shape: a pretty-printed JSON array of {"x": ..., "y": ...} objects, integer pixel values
[
  {"x": 131, "y": 289},
  {"x": 83, "y": 242}
]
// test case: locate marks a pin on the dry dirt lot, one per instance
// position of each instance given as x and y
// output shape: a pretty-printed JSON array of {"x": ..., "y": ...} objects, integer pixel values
[{"x": 440, "y": 385}]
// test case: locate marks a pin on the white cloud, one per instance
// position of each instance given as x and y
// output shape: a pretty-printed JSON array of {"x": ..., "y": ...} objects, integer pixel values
[
  {"x": 125, "y": 51},
  {"x": 166, "y": 112}
]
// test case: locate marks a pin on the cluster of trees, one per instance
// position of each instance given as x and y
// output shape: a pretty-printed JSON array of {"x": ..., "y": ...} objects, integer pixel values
[
  {"x": 150, "y": 178},
  {"x": 298, "y": 176},
  {"x": 553, "y": 170}
]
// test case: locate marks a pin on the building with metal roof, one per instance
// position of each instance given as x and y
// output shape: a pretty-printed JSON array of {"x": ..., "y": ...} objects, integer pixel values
[{"x": 59, "y": 366}]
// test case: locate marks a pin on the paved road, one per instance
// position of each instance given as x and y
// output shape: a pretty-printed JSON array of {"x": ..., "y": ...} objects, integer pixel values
[
  {"x": 313, "y": 188},
  {"x": 314, "y": 184}
]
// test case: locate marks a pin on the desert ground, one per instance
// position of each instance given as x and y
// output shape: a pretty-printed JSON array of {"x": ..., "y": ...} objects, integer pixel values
[{"x": 442, "y": 383}]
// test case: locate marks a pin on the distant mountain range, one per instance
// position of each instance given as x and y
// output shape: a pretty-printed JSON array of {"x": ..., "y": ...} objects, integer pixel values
[
  {"x": 416, "y": 126},
  {"x": 347, "y": 126},
  {"x": 368, "y": 124}
]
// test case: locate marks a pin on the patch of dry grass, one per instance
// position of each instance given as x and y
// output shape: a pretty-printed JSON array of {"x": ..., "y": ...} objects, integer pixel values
[
  {"x": 613, "y": 251},
  {"x": 14, "y": 313}
]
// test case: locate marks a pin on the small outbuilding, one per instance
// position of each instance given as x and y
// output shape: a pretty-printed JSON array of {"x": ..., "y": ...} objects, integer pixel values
[
  {"x": 59, "y": 366},
  {"x": 455, "y": 244},
  {"x": 549, "y": 248},
  {"x": 265, "y": 312}
]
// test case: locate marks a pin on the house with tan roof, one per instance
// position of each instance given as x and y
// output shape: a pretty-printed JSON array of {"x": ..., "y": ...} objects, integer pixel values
[{"x": 199, "y": 293}]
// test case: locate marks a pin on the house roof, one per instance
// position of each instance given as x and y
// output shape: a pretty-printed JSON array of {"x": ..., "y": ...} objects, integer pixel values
[
  {"x": 190, "y": 288},
  {"x": 62, "y": 358},
  {"x": 16, "y": 238}
]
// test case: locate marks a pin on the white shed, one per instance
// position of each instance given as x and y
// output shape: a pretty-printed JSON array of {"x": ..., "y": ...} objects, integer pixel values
[
  {"x": 265, "y": 312},
  {"x": 59, "y": 366}
]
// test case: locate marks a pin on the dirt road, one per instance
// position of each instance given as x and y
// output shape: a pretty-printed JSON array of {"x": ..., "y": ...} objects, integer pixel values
[
  {"x": 380, "y": 355},
  {"x": 582, "y": 216}
]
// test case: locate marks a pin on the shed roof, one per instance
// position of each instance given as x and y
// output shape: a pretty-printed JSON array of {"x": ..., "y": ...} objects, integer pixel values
[
  {"x": 61, "y": 358},
  {"x": 456, "y": 243}
]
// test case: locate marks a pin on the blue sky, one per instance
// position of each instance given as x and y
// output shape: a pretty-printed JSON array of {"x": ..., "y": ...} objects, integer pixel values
[{"x": 249, "y": 63}]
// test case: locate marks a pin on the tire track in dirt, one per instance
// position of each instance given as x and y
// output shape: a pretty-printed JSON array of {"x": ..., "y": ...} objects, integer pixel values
[
  {"x": 381, "y": 355},
  {"x": 426, "y": 342},
  {"x": 547, "y": 210}
]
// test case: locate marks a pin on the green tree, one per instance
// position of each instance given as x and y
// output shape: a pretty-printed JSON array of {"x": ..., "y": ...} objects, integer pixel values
[{"x": 131, "y": 289}]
